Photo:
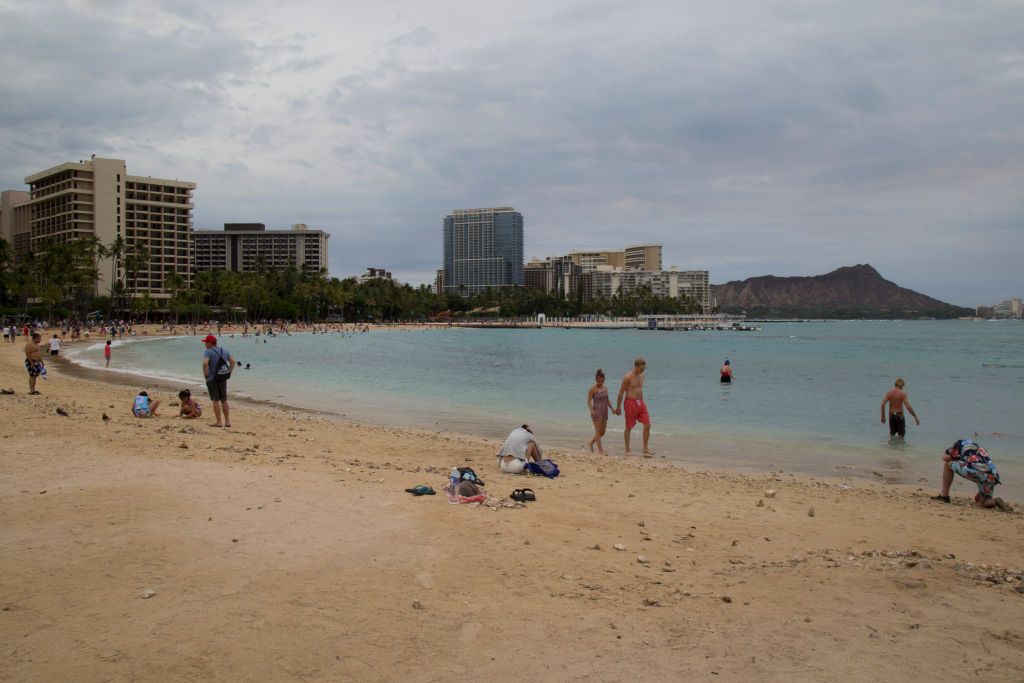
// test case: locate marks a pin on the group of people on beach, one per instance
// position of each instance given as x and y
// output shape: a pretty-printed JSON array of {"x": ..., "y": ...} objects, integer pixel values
[{"x": 965, "y": 458}]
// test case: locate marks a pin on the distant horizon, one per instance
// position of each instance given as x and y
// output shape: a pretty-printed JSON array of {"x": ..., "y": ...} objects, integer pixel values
[{"x": 748, "y": 139}]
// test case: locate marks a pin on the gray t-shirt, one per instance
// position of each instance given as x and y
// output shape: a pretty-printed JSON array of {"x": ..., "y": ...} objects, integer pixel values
[
  {"x": 214, "y": 355},
  {"x": 517, "y": 443}
]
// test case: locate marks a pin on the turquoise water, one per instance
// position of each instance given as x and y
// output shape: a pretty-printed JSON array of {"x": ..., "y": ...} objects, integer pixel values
[{"x": 806, "y": 396}]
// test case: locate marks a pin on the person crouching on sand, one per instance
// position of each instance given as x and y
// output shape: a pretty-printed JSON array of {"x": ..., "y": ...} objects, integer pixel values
[
  {"x": 144, "y": 406},
  {"x": 597, "y": 401},
  {"x": 519, "y": 448},
  {"x": 190, "y": 408},
  {"x": 973, "y": 463}
]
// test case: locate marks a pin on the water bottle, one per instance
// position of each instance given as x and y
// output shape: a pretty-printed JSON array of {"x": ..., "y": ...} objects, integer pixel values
[{"x": 456, "y": 478}]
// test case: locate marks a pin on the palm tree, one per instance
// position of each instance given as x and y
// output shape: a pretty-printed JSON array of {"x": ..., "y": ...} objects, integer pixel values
[
  {"x": 115, "y": 252},
  {"x": 136, "y": 260}
]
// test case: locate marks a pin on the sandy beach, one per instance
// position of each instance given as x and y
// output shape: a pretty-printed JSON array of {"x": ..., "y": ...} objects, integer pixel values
[{"x": 286, "y": 549}]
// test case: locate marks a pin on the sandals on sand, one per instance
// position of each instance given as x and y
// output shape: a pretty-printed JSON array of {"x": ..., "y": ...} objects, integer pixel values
[
  {"x": 523, "y": 495},
  {"x": 421, "y": 490}
]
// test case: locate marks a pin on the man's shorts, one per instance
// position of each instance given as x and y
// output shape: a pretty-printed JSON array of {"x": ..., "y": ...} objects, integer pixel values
[
  {"x": 218, "y": 389},
  {"x": 34, "y": 367},
  {"x": 985, "y": 481},
  {"x": 897, "y": 424},
  {"x": 636, "y": 411},
  {"x": 54, "y": 352}
]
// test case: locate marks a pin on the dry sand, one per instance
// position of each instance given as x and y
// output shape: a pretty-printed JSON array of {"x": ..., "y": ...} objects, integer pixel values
[{"x": 285, "y": 549}]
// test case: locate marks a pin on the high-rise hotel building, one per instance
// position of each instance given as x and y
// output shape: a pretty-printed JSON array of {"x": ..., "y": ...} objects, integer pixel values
[
  {"x": 243, "y": 247},
  {"x": 97, "y": 197},
  {"x": 483, "y": 249}
]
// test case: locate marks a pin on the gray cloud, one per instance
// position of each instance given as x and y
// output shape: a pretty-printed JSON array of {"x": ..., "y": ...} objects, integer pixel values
[{"x": 780, "y": 137}]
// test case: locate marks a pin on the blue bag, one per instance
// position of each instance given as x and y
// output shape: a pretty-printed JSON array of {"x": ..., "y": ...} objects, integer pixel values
[{"x": 545, "y": 468}]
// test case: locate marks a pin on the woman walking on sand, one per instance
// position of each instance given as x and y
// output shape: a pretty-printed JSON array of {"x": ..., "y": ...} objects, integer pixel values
[{"x": 597, "y": 401}]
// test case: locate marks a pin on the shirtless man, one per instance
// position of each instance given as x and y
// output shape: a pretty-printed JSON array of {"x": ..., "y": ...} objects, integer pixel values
[
  {"x": 897, "y": 398},
  {"x": 33, "y": 361},
  {"x": 636, "y": 410}
]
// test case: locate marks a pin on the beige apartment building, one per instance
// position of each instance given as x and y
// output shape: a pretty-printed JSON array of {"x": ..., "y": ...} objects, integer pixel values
[
  {"x": 637, "y": 257},
  {"x": 242, "y": 247},
  {"x": 97, "y": 197},
  {"x": 15, "y": 220}
]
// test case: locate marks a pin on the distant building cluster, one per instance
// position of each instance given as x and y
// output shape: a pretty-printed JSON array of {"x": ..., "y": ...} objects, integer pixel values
[
  {"x": 605, "y": 274},
  {"x": 98, "y": 198},
  {"x": 483, "y": 249},
  {"x": 374, "y": 274},
  {"x": 1011, "y": 308}
]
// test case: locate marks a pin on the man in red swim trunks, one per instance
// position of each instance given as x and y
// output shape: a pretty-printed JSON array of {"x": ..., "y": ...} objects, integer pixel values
[{"x": 636, "y": 410}]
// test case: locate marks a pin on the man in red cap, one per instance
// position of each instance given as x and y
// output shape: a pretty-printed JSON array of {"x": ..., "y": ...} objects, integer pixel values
[{"x": 218, "y": 365}]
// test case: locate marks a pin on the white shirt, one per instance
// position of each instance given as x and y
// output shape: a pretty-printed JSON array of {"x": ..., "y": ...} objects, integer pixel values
[
  {"x": 517, "y": 443},
  {"x": 55, "y": 344}
]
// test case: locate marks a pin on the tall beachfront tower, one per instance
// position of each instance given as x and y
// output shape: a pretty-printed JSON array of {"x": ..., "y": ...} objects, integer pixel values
[
  {"x": 483, "y": 249},
  {"x": 97, "y": 198}
]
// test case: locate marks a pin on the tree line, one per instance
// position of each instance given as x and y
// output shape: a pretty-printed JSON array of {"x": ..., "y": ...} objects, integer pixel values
[{"x": 58, "y": 282}]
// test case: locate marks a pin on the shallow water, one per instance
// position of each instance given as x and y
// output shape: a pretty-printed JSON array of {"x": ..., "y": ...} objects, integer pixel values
[{"x": 806, "y": 396}]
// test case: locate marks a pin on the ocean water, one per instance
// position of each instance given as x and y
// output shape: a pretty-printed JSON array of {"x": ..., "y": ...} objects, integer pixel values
[{"x": 806, "y": 396}]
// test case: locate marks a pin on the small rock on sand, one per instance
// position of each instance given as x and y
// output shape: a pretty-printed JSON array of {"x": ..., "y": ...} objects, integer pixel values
[
  {"x": 726, "y": 598},
  {"x": 650, "y": 602},
  {"x": 619, "y": 547},
  {"x": 770, "y": 493},
  {"x": 416, "y": 604},
  {"x": 642, "y": 559},
  {"x": 810, "y": 512},
  {"x": 147, "y": 593}
]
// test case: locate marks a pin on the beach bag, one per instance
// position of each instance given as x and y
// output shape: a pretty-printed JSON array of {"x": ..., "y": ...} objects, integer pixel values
[
  {"x": 223, "y": 370},
  {"x": 545, "y": 468},
  {"x": 467, "y": 474}
]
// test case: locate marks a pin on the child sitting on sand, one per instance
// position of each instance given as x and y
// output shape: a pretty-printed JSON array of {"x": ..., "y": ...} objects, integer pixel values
[
  {"x": 190, "y": 408},
  {"x": 143, "y": 406}
]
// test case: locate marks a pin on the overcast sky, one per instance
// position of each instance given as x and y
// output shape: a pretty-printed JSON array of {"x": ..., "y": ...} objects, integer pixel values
[{"x": 749, "y": 137}]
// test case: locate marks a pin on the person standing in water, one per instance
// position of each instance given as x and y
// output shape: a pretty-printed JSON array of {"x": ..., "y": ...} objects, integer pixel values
[
  {"x": 632, "y": 388},
  {"x": 726, "y": 372},
  {"x": 597, "y": 401},
  {"x": 897, "y": 398}
]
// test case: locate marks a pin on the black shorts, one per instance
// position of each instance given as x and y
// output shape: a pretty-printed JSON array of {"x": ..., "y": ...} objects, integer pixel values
[
  {"x": 54, "y": 352},
  {"x": 217, "y": 389},
  {"x": 897, "y": 424}
]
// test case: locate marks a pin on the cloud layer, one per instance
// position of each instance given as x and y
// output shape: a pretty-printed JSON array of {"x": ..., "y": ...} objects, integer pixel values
[{"x": 760, "y": 137}]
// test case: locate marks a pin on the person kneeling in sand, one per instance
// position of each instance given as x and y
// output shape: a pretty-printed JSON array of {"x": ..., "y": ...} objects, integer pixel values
[
  {"x": 144, "y": 406},
  {"x": 190, "y": 407},
  {"x": 973, "y": 463},
  {"x": 519, "y": 448}
]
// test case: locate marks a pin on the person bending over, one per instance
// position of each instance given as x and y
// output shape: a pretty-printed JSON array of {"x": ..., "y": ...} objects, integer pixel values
[
  {"x": 519, "y": 448},
  {"x": 144, "y": 406},
  {"x": 972, "y": 462},
  {"x": 190, "y": 408}
]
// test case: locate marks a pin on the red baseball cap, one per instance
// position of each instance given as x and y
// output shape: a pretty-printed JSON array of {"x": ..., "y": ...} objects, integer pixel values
[{"x": 211, "y": 339}]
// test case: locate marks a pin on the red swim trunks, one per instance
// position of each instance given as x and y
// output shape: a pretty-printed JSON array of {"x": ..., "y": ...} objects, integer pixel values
[{"x": 636, "y": 411}]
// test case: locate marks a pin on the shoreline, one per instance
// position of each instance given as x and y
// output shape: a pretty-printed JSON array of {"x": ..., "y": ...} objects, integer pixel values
[
  {"x": 286, "y": 547},
  {"x": 845, "y": 463}
]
